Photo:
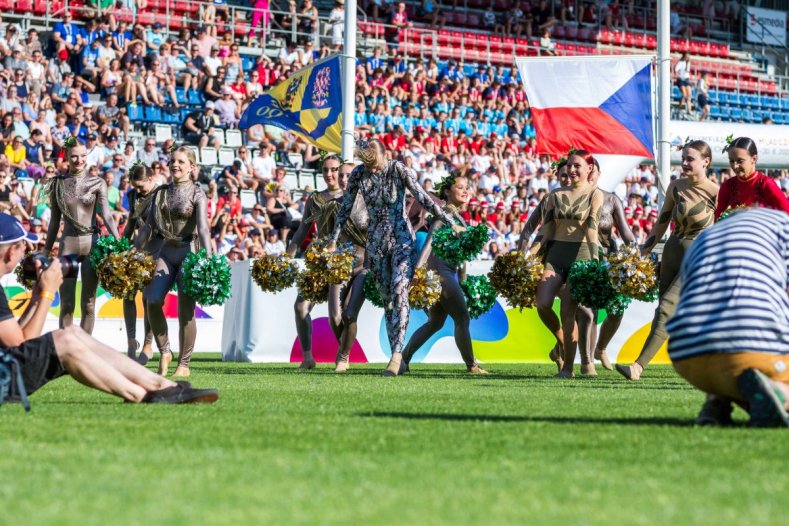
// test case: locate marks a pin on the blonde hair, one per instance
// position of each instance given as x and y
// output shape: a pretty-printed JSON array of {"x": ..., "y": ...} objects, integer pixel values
[
  {"x": 190, "y": 153},
  {"x": 372, "y": 154}
]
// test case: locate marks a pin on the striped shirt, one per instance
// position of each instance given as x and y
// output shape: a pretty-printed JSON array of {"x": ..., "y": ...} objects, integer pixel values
[{"x": 734, "y": 288}]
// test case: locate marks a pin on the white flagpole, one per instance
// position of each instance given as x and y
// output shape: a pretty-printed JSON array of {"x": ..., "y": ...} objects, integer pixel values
[
  {"x": 349, "y": 81},
  {"x": 664, "y": 100}
]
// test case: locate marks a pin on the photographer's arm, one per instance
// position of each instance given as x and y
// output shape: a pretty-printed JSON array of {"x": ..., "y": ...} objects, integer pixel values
[{"x": 31, "y": 322}]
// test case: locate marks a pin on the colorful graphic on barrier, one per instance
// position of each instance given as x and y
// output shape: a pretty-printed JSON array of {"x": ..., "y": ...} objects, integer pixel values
[
  {"x": 324, "y": 345},
  {"x": 107, "y": 306}
]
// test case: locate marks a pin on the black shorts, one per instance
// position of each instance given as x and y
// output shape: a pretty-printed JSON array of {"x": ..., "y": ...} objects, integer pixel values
[
  {"x": 193, "y": 137},
  {"x": 682, "y": 83},
  {"x": 38, "y": 361},
  {"x": 703, "y": 100}
]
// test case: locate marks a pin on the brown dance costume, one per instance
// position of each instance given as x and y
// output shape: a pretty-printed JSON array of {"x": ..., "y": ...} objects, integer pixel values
[
  {"x": 451, "y": 303},
  {"x": 345, "y": 300},
  {"x": 76, "y": 199},
  {"x": 690, "y": 205},
  {"x": 177, "y": 219},
  {"x": 139, "y": 210},
  {"x": 612, "y": 215}
]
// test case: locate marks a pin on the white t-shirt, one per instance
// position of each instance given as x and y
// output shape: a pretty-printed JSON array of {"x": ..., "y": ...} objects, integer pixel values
[
  {"x": 288, "y": 58},
  {"x": 274, "y": 249},
  {"x": 264, "y": 167}
]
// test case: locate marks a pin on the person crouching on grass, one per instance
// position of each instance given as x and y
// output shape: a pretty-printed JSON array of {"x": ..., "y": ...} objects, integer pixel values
[
  {"x": 43, "y": 358},
  {"x": 729, "y": 336}
]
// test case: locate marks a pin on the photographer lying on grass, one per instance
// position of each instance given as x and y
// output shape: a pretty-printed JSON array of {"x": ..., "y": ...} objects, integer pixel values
[{"x": 42, "y": 358}]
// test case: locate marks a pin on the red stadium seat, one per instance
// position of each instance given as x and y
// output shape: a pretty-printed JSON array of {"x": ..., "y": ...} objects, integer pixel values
[
  {"x": 630, "y": 40},
  {"x": 619, "y": 38},
  {"x": 146, "y": 18},
  {"x": 641, "y": 40},
  {"x": 571, "y": 33},
  {"x": 606, "y": 36},
  {"x": 473, "y": 20},
  {"x": 586, "y": 34},
  {"x": 559, "y": 32},
  {"x": 651, "y": 42},
  {"x": 7, "y": 5}
]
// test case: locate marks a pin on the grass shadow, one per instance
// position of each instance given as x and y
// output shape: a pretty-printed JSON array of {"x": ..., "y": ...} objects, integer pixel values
[{"x": 450, "y": 417}]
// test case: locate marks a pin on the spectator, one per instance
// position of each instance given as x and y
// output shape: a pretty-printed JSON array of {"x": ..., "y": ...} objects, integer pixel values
[
  {"x": 399, "y": 22},
  {"x": 703, "y": 95},
  {"x": 198, "y": 127},
  {"x": 274, "y": 246}
]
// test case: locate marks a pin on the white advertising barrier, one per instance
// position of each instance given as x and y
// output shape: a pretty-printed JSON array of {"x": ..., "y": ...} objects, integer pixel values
[
  {"x": 110, "y": 328},
  {"x": 260, "y": 327},
  {"x": 765, "y": 26}
]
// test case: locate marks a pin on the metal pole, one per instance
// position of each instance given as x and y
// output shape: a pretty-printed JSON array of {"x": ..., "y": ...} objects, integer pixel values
[
  {"x": 664, "y": 99},
  {"x": 349, "y": 81}
]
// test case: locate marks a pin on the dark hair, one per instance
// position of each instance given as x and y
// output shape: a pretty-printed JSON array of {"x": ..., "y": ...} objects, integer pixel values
[
  {"x": 746, "y": 143},
  {"x": 140, "y": 172},
  {"x": 448, "y": 182},
  {"x": 702, "y": 147}
]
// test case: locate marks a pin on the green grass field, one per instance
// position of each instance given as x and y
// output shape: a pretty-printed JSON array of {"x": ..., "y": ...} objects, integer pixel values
[{"x": 435, "y": 447}]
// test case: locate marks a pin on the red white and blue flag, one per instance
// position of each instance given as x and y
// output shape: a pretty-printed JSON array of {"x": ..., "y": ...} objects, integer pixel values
[{"x": 600, "y": 104}]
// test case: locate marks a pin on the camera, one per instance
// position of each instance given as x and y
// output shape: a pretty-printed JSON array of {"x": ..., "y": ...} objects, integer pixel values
[{"x": 69, "y": 265}]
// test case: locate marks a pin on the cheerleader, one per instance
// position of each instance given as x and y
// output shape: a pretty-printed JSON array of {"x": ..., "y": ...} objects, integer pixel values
[
  {"x": 383, "y": 184},
  {"x": 140, "y": 198},
  {"x": 750, "y": 187},
  {"x": 690, "y": 205},
  {"x": 534, "y": 221},
  {"x": 570, "y": 233},
  {"x": 177, "y": 217},
  {"x": 454, "y": 191},
  {"x": 613, "y": 214},
  {"x": 345, "y": 301},
  {"x": 77, "y": 198}
]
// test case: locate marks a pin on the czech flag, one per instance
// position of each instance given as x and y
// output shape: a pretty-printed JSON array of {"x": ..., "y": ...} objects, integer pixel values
[{"x": 600, "y": 104}]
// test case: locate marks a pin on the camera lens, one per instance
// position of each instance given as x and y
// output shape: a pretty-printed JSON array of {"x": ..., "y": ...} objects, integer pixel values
[{"x": 69, "y": 265}]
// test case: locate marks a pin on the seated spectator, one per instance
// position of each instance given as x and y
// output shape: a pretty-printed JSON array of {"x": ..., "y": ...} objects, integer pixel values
[
  {"x": 274, "y": 246},
  {"x": 198, "y": 127},
  {"x": 227, "y": 109},
  {"x": 547, "y": 47},
  {"x": 729, "y": 336}
]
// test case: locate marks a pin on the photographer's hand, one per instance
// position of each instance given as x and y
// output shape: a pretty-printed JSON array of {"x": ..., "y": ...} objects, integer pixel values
[{"x": 50, "y": 279}]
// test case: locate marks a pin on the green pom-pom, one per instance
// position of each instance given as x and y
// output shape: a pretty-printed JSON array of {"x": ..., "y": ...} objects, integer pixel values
[
  {"x": 590, "y": 284},
  {"x": 480, "y": 295},
  {"x": 456, "y": 249},
  {"x": 105, "y": 246},
  {"x": 618, "y": 305},
  {"x": 371, "y": 292},
  {"x": 206, "y": 279}
]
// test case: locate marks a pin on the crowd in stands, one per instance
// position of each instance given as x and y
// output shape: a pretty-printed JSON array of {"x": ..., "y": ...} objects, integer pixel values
[{"x": 85, "y": 80}]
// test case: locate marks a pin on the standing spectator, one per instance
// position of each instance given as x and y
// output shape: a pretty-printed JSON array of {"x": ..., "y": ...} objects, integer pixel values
[
  {"x": 337, "y": 23},
  {"x": 682, "y": 71},
  {"x": 703, "y": 95},
  {"x": 398, "y": 19}
]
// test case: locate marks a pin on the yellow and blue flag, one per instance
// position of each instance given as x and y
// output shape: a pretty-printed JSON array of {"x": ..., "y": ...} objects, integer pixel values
[{"x": 308, "y": 103}]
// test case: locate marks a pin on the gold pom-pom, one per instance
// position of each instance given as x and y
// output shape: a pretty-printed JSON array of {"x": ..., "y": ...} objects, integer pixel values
[
  {"x": 337, "y": 266},
  {"x": 515, "y": 277},
  {"x": 313, "y": 286},
  {"x": 123, "y": 274},
  {"x": 274, "y": 273},
  {"x": 425, "y": 289},
  {"x": 633, "y": 275}
]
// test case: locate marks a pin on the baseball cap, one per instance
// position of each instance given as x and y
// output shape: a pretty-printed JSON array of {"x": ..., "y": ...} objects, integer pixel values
[
  {"x": 209, "y": 105},
  {"x": 500, "y": 205},
  {"x": 12, "y": 231},
  {"x": 157, "y": 25},
  {"x": 473, "y": 201},
  {"x": 273, "y": 232}
]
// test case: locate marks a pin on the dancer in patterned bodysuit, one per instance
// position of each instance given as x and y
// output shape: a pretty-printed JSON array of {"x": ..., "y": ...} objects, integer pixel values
[
  {"x": 76, "y": 198},
  {"x": 178, "y": 216},
  {"x": 390, "y": 248},
  {"x": 140, "y": 199}
]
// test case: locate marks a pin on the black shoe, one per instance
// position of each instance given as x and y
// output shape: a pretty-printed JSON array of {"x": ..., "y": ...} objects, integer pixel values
[
  {"x": 715, "y": 412},
  {"x": 181, "y": 393},
  {"x": 765, "y": 404}
]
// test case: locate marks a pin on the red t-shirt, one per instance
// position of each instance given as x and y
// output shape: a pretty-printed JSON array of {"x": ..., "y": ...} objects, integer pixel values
[
  {"x": 234, "y": 204},
  {"x": 759, "y": 190}
]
